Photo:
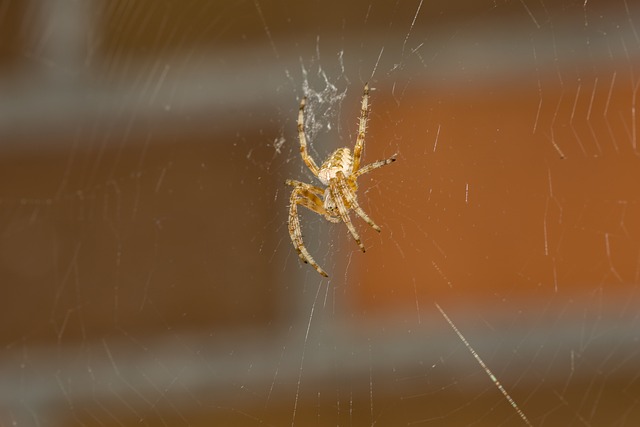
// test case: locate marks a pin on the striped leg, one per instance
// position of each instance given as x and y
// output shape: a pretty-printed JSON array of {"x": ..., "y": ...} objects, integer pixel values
[
  {"x": 362, "y": 129},
  {"x": 303, "y": 194}
]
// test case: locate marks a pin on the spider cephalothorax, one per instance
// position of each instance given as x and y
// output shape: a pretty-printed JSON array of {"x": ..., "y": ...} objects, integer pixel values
[{"x": 339, "y": 173}]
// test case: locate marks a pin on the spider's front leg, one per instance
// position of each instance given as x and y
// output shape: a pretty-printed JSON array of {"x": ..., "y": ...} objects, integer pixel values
[
  {"x": 305, "y": 195},
  {"x": 351, "y": 199},
  {"x": 338, "y": 198}
]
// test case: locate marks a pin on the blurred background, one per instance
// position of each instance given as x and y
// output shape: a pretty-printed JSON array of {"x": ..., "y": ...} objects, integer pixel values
[{"x": 147, "y": 273}]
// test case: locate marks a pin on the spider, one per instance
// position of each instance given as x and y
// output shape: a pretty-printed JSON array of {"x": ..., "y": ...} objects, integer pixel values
[{"x": 338, "y": 173}]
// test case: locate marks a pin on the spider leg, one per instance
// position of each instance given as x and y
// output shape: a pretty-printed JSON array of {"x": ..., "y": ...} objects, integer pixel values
[
  {"x": 318, "y": 192},
  {"x": 308, "y": 160},
  {"x": 338, "y": 197},
  {"x": 362, "y": 129},
  {"x": 352, "y": 201},
  {"x": 303, "y": 194},
  {"x": 375, "y": 165},
  {"x": 312, "y": 188}
]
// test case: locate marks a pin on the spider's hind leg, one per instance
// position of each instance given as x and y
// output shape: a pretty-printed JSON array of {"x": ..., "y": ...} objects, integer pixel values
[
  {"x": 375, "y": 165},
  {"x": 302, "y": 139},
  {"x": 362, "y": 128}
]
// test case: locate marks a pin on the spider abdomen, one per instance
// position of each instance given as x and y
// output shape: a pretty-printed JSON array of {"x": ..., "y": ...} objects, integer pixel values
[{"x": 339, "y": 161}]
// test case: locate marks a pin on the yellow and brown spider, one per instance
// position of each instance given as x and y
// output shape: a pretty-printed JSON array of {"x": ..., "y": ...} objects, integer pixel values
[{"x": 339, "y": 174}]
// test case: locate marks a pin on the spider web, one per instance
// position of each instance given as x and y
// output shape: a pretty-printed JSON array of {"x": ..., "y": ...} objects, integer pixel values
[{"x": 148, "y": 271}]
